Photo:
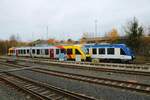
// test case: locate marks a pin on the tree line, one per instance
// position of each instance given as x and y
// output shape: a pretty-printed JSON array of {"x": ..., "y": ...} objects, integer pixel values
[{"x": 12, "y": 42}]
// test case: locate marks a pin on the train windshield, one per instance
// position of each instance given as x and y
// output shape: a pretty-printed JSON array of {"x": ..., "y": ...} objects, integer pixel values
[
  {"x": 130, "y": 51},
  {"x": 85, "y": 50}
]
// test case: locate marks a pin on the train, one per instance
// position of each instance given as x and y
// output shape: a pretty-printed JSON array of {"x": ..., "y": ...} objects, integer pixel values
[
  {"x": 52, "y": 52},
  {"x": 110, "y": 52},
  {"x": 87, "y": 52}
]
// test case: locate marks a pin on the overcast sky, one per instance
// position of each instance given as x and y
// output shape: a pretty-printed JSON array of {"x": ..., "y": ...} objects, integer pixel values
[{"x": 68, "y": 18}]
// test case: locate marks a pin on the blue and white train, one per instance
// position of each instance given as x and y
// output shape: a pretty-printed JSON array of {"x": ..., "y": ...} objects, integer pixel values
[{"x": 110, "y": 52}]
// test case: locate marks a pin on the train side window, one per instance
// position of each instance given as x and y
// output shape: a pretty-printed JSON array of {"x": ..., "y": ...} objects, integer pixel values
[
  {"x": 101, "y": 50},
  {"x": 33, "y": 51},
  {"x": 24, "y": 51},
  {"x": 21, "y": 51},
  {"x": 27, "y": 51},
  {"x": 69, "y": 51},
  {"x": 122, "y": 52},
  {"x": 87, "y": 50},
  {"x": 38, "y": 51},
  {"x": 63, "y": 50},
  {"x": 77, "y": 52},
  {"x": 110, "y": 51},
  {"x": 10, "y": 51},
  {"x": 57, "y": 51},
  {"x": 94, "y": 51},
  {"x": 46, "y": 51}
]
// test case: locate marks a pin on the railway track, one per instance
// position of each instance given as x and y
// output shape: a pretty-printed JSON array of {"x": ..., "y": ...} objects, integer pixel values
[
  {"x": 128, "y": 85},
  {"x": 121, "y": 71},
  {"x": 145, "y": 88},
  {"x": 141, "y": 67},
  {"x": 41, "y": 91}
]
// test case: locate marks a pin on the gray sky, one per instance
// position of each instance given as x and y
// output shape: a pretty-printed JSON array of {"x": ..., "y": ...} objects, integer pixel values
[{"x": 68, "y": 18}]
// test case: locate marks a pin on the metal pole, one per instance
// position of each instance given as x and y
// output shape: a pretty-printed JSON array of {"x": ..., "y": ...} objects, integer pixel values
[
  {"x": 31, "y": 54},
  {"x": 47, "y": 32},
  {"x": 96, "y": 28}
]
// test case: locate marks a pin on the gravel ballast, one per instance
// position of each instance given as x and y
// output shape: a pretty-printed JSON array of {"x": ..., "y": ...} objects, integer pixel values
[
  {"x": 116, "y": 76},
  {"x": 9, "y": 93},
  {"x": 97, "y": 91}
]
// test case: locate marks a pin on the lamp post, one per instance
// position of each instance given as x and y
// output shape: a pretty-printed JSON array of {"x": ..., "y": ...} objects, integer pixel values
[
  {"x": 95, "y": 28},
  {"x": 47, "y": 32}
]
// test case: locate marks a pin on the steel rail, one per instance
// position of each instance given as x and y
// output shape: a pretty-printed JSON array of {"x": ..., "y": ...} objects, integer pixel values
[
  {"x": 140, "y": 87},
  {"x": 121, "y": 71},
  {"x": 42, "y": 91},
  {"x": 51, "y": 61}
]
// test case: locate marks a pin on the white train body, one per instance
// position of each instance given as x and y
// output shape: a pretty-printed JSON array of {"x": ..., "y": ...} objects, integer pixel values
[
  {"x": 116, "y": 52},
  {"x": 43, "y": 52}
]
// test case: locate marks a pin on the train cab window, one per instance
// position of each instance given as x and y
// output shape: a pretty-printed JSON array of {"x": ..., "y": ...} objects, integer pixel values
[
  {"x": 101, "y": 50},
  {"x": 38, "y": 51},
  {"x": 77, "y": 52},
  {"x": 94, "y": 51},
  {"x": 110, "y": 51},
  {"x": 57, "y": 51},
  {"x": 69, "y": 51},
  {"x": 27, "y": 51},
  {"x": 33, "y": 51},
  {"x": 46, "y": 51},
  {"x": 122, "y": 52}
]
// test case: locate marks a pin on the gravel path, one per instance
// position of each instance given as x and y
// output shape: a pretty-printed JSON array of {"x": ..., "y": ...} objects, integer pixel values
[{"x": 98, "y": 91}]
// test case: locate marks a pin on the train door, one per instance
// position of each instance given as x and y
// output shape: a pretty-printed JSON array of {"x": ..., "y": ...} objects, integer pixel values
[{"x": 51, "y": 52}]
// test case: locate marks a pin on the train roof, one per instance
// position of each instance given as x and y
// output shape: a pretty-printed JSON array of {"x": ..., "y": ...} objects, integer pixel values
[
  {"x": 105, "y": 45},
  {"x": 43, "y": 47}
]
